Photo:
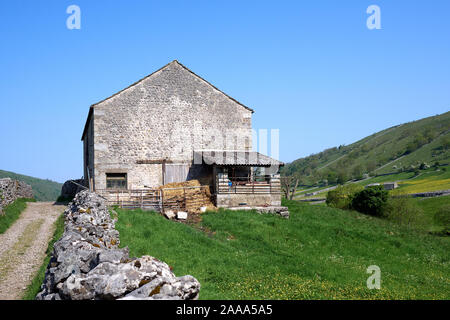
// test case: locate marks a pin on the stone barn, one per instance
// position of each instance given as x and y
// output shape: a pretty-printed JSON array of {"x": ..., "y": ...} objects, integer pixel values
[{"x": 174, "y": 126}]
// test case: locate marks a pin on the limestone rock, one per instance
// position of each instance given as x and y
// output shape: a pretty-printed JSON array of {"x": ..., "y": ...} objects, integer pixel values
[
  {"x": 169, "y": 214},
  {"x": 87, "y": 264},
  {"x": 182, "y": 215},
  {"x": 10, "y": 190}
]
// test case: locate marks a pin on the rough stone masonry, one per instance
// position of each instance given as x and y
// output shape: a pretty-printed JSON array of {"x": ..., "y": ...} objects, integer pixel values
[
  {"x": 166, "y": 115},
  {"x": 10, "y": 190},
  {"x": 87, "y": 263}
]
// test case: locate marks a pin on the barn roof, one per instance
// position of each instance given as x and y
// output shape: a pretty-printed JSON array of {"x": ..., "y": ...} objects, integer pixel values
[
  {"x": 139, "y": 81},
  {"x": 236, "y": 158}
]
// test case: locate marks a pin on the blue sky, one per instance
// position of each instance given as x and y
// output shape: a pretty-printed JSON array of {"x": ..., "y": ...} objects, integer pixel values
[{"x": 311, "y": 69}]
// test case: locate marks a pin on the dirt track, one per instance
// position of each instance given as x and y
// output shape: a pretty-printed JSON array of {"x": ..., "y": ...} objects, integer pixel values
[{"x": 23, "y": 245}]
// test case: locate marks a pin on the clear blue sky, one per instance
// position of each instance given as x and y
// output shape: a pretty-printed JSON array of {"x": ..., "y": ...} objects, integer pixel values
[{"x": 309, "y": 68}]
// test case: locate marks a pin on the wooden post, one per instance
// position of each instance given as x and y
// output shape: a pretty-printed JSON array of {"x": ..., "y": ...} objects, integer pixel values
[
  {"x": 162, "y": 200},
  {"x": 164, "y": 172},
  {"x": 184, "y": 198}
]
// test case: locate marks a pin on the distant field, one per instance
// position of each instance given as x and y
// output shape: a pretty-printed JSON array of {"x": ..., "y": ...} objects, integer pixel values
[
  {"x": 319, "y": 253},
  {"x": 389, "y": 178},
  {"x": 308, "y": 190},
  {"x": 427, "y": 181}
]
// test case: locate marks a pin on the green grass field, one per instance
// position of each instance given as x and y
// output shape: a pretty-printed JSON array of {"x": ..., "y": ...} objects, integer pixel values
[
  {"x": 429, "y": 180},
  {"x": 12, "y": 213},
  {"x": 434, "y": 208},
  {"x": 390, "y": 178},
  {"x": 319, "y": 253}
]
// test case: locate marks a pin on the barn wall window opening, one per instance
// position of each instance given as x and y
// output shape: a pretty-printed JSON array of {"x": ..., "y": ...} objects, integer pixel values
[{"x": 116, "y": 181}]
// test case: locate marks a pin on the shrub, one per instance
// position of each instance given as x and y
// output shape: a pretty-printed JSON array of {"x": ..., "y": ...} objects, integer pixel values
[
  {"x": 406, "y": 212},
  {"x": 372, "y": 201},
  {"x": 342, "y": 196}
]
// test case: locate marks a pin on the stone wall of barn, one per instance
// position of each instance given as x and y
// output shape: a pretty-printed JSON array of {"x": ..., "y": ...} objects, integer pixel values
[
  {"x": 166, "y": 116},
  {"x": 250, "y": 200}
]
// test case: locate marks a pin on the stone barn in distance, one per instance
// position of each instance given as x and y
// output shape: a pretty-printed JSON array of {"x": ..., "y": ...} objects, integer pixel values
[{"x": 174, "y": 126}]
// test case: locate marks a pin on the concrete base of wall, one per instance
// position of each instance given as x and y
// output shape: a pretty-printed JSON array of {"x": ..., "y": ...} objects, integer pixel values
[
  {"x": 281, "y": 211},
  {"x": 250, "y": 200}
]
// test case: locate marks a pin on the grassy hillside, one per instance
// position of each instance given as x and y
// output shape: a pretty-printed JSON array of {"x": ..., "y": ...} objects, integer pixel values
[
  {"x": 400, "y": 147},
  {"x": 43, "y": 190},
  {"x": 319, "y": 253}
]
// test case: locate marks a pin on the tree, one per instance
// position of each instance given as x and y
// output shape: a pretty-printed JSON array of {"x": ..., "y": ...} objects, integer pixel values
[
  {"x": 331, "y": 177},
  {"x": 357, "y": 172},
  {"x": 371, "y": 165},
  {"x": 342, "y": 176},
  {"x": 372, "y": 201},
  {"x": 289, "y": 184}
]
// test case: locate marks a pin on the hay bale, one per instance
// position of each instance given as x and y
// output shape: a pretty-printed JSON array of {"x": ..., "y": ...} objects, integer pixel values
[{"x": 178, "y": 192}]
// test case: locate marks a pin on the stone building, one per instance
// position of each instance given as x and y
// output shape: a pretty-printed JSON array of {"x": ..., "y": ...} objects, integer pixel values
[{"x": 173, "y": 126}]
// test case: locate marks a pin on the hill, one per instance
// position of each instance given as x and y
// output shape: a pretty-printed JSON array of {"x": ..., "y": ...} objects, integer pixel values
[
  {"x": 43, "y": 189},
  {"x": 395, "y": 149}
]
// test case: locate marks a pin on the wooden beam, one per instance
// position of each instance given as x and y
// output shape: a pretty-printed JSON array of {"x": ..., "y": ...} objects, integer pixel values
[{"x": 156, "y": 161}]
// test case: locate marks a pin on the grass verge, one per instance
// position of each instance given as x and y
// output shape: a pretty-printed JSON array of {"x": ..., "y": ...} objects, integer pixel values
[{"x": 12, "y": 213}]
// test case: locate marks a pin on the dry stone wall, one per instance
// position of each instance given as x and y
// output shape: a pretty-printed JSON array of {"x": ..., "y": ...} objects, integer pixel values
[
  {"x": 10, "y": 190},
  {"x": 87, "y": 263}
]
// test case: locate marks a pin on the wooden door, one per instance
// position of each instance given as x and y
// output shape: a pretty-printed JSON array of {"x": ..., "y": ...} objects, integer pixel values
[{"x": 175, "y": 173}]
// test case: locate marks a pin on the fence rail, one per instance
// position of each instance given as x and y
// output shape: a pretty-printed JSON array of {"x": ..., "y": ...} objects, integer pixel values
[
  {"x": 241, "y": 185},
  {"x": 183, "y": 198}
]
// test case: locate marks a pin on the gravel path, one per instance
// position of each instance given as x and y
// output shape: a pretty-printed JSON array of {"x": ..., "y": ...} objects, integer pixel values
[{"x": 23, "y": 245}]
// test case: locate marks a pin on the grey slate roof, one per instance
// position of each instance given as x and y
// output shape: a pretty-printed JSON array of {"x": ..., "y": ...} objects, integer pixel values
[{"x": 236, "y": 158}]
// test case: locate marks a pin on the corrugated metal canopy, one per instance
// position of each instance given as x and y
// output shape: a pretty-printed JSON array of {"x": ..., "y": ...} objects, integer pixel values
[{"x": 236, "y": 158}]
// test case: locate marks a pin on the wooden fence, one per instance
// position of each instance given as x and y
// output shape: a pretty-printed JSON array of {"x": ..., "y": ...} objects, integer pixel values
[
  {"x": 178, "y": 199},
  {"x": 248, "y": 187}
]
